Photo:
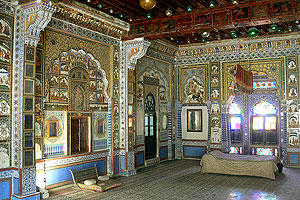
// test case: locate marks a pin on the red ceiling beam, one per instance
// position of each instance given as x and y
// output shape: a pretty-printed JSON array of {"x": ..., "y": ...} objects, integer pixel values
[{"x": 222, "y": 18}]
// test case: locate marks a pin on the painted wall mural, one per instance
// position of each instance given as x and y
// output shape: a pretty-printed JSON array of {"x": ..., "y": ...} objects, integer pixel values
[
  {"x": 193, "y": 85},
  {"x": 6, "y": 27}
]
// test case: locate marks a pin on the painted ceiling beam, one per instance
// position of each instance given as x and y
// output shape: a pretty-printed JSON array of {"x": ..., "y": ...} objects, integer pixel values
[{"x": 221, "y": 18}]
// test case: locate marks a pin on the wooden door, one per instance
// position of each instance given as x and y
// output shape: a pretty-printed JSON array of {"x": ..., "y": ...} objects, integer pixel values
[
  {"x": 150, "y": 127},
  {"x": 79, "y": 135}
]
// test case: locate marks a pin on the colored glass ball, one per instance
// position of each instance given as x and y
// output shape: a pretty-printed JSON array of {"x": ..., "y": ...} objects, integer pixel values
[
  {"x": 253, "y": 32},
  {"x": 147, "y": 4},
  {"x": 149, "y": 16}
]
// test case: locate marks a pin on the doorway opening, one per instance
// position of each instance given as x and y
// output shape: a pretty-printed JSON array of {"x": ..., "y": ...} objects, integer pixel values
[
  {"x": 150, "y": 127},
  {"x": 79, "y": 135}
]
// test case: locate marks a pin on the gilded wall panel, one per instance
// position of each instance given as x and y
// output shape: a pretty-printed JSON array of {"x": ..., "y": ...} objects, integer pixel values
[
  {"x": 57, "y": 43},
  {"x": 193, "y": 86},
  {"x": 271, "y": 67}
]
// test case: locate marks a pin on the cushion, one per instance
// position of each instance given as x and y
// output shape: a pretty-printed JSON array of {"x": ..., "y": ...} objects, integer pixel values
[
  {"x": 103, "y": 178},
  {"x": 90, "y": 182}
]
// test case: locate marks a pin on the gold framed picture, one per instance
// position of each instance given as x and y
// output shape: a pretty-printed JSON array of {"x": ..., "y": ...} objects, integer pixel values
[
  {"x": 28, "y": 140},
  {"x": 53, "y": 129},
  {"x": 29, "y": 54},
  {"x": 100, "y": 127},
  {"x": 28, "y": 159},
  {"x": 28, "y": 104},
  {"x": 194, "y": 120},
  {"x": 29, "y": 86},
  {"x": 29, "y": 70},
  {"x": 28, "y": 121}
]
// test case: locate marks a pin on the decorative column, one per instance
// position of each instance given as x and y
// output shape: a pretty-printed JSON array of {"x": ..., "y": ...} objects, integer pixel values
[
  {"x": 131, "y": 51},
  {"x": 30, "y": 19}
]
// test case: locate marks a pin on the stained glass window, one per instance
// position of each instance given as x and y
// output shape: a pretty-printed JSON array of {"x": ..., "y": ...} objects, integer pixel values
[
  {"x": 270, "y": 123},
  {"x": 234, "y": 150},
  {"x": 235, "y": 109},
  {"x": 130, "y": 110},
  {"x": 258, "y": 123},
  {"x": 235, "y": 123},
  {"x": 241, "y": 150},
  {"x": 264, "y": 108},
  {"x": 264, "y": 84},
  {"x": 264, "y": 151}
]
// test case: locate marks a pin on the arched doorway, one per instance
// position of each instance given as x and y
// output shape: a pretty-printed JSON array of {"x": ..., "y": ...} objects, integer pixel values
[{"x": 150, "y": 127}]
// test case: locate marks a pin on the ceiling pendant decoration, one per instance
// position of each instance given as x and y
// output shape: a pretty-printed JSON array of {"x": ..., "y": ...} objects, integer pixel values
[
  {"x": 169, "y": 12},
  {"x": 147, "y": 4},
  {"x": 253, "y": 32}
]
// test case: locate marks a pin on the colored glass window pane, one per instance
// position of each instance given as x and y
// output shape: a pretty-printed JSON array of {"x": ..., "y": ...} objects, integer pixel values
[
  {"x": 151, "y": 120},
  {"x": 241, "y": 150},
  {"x": 264, "y": 84},
  {"x": 151, "y": 131},
  {"x": 234, "y": 150},
  {"x": 235, "y": 109},
  {"x": 129, "y": 122},
  {"x": 146, "y": 120},
  {"x": 264, "y": 108},
  {"x": 264, "y": 151},
  {"x": 235, "y": 123},
  {"x": 270, "y": 123},
  {"x": 258, "y": 123},
  {"x": 130, "y": 110}
]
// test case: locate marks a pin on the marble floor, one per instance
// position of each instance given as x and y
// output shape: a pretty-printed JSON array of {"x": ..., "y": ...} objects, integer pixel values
[{"x": 181, "y": 179}]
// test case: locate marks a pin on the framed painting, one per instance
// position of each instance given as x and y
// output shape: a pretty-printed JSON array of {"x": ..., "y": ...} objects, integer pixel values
[
  {"x": 29, "y": 104},
  {"x": 194, "y": 120},
  {"x": 6, "y": 26},
  {"x": 29, "y": 87},
  {"x": 5, "y": 49},
  {"x": 28, "y": 121},
  {"x": 29, "y": 54},
  {"x": 53, "y": 129},
  {"x": 29, "y": 158},
  {"x": 29, "y": 70},
  {"x": 100, "y": 127},
  {"x": 28, "y": 140},
  {"x": 5, "y": 77}
]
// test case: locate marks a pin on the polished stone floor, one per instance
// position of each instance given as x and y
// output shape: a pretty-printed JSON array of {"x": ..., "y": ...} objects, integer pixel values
[{"x": 181, "y": 179}]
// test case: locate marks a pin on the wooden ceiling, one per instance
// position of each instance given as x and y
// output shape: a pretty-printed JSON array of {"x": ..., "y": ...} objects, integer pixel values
[
  {"x": 132, "y": 10},
  {"x": 185, "y": 27}
]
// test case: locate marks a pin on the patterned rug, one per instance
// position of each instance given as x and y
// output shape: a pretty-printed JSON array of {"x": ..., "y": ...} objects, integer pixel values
[{"x": 181, "y": 179}]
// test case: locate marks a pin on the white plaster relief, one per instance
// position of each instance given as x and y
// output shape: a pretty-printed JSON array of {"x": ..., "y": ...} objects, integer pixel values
[{"x": 38, "y": 16}]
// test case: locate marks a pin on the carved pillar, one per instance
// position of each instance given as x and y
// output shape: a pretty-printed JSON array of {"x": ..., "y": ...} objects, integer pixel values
[
  {"x": 30, "y": 19},
  {"x": 131, "y": 51}
]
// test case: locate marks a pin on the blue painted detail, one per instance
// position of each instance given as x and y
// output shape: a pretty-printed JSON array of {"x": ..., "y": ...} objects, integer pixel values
[
  {"x": 123, "y": 162},
  {"x": 16, "y": 186},
  {"x": 5, "y": 186},
  {"x": 100, "y": 144},
  {"x": 116, "y": 164},
  {"x": 140, "y": 159},
  {"x": 294, "y": 159},
  {"x": 30, "y": 197},
  {"x": 163, "y": 153},
  {"x": 51, "y": 150},
  {"x": 63, "y": 174},
  {"x": 193, "y": 151},
  {"x": 127, "y": 173}
]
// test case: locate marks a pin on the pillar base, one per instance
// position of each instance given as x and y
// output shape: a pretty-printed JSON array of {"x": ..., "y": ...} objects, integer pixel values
[{"x": 33, "y": 196}]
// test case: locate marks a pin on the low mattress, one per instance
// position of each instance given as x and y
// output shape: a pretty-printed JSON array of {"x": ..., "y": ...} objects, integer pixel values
[{"x": 250, "y": 165}]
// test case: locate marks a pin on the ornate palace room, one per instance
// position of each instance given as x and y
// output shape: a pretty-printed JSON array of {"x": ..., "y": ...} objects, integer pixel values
[{"x": 149, "y": 99}]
